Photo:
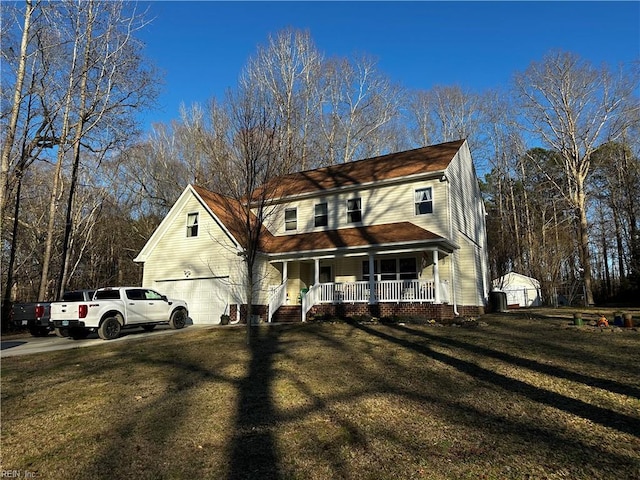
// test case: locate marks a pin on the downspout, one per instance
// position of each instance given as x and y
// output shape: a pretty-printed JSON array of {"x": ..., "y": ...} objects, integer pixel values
[
  {"x": 453, "y": 254},
  {"x": 454, "y": 284}
]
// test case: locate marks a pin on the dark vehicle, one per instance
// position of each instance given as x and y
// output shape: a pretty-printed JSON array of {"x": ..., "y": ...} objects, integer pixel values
[{"x": 36, "y": 316}]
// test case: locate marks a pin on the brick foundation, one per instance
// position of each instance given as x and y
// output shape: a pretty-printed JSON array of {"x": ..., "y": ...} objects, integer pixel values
[
  {"x": 261, "y": 310},
  {"x": 428, "y": 311},
  {"x": 382, "y": 310}
]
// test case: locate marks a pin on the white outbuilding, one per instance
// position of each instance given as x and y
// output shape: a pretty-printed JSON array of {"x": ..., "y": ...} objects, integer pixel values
[{"x": 522, "y": 291}]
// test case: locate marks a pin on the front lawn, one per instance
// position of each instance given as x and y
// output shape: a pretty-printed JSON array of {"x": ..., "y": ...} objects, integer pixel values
[{"x": 523, "y": 397}]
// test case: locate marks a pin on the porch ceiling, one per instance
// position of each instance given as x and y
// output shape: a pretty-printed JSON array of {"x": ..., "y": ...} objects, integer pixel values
[{"x": 391, "y": 235}]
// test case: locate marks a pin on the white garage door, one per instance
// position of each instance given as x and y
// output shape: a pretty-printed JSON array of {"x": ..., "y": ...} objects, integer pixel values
[{"x": 208, "y": 298}]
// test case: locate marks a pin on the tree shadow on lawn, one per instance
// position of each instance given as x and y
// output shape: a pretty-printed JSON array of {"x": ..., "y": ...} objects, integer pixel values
[
  {"x": 556, "y": 446},
  {"x": 618, "y": 421},
  {"x": 136, "y": 442},
  {"x": 603, "y": 383},
  {"x": 253, "y": 453}
]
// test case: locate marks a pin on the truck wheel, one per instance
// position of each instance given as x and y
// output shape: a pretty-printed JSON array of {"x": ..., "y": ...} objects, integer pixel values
[
  {"x": 39, "y": 331},
  {"x": 178, "y": 319},
  {"x": 109, "y": 329},
  {"x": 78, "y": 333},
  {"x": 62, "y": 332}
]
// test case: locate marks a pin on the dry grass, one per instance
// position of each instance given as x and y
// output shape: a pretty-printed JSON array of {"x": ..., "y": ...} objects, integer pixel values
[{"x": 525, "y": 397}]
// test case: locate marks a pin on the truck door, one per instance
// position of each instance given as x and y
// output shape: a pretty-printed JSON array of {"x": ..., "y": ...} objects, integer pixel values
[
  {"x": 157, "y": 307},
  {"x": 136, "y": 305}
]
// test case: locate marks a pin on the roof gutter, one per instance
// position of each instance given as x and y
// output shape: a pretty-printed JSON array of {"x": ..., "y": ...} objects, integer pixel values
[{"x": 347, "y": 188}]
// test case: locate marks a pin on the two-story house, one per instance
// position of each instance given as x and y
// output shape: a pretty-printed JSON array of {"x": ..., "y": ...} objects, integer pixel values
[{"x": 400, "y": 234}]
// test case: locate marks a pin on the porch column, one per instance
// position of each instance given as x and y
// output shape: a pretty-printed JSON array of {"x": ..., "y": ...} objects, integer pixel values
[
  {"x": 316, "y": 278},
  {"x": 372, "y": 280},
  {"x": 285, "y": 277},
  {"x": 436, "y": 277}
]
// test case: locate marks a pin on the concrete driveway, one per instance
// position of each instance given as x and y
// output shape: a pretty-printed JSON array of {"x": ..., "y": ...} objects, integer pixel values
[{"x": 26, "y": 344}]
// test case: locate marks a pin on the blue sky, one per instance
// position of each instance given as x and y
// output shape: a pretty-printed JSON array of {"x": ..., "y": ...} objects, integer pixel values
[{"x": 202, "y": 46}]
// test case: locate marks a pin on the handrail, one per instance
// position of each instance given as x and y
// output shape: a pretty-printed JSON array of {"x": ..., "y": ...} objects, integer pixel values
[
  {"x": 277, "y": 298},
  {"x": 310, "y": 299}
]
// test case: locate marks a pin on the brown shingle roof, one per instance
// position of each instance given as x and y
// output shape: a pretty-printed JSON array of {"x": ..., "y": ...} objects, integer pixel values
[
  {"x": 229, "y": 211},
  {"x": 434, "y": 158},
  {"x": 401, "y": 232}
]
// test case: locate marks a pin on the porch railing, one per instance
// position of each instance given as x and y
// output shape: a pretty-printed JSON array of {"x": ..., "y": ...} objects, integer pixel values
[{"x": 359, "y": 292}]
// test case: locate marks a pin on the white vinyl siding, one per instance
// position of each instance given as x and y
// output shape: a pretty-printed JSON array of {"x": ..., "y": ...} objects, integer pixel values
[
  {"x": 468, "y": 230},
  {"x": 388, "y": 204},
  {"x": 174, "y": 257}
]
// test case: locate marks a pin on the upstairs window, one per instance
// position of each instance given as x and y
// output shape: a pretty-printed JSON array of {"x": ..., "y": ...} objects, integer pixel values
[
  {"x": 354, "y": 210},
  {"x": 192, "y": 225},
  {"x": 291, "y": 219},
  {"x": 321, "y": 215},
  {"x": 423, "y": 201}
]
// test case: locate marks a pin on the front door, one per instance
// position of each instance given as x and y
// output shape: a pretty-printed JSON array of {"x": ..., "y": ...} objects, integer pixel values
[{"x": 325, "y": 274}]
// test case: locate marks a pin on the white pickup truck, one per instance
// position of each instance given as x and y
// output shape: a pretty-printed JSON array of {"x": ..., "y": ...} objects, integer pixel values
[{"x": 115, "y": 308}]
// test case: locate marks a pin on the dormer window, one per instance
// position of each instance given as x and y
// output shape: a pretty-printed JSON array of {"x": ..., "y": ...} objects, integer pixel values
[
  {"x": 354, "y": 210},
  {"x": 423, "y": 201},
  {"x": 192, "y": 225},
  {"x": 291, "y": 219}
]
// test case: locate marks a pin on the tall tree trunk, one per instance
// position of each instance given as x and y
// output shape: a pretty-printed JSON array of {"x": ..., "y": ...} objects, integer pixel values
[
  {"x": 56, "y": 191},
  {"x": 15, "y": 107},
  {"x": 583, "y": 243},
  {"x": 6, "y": 302},
  {"x": 79, "y": 131},
  {"x": 517, "y": 263},
  {"x": 619, "y": 243}
]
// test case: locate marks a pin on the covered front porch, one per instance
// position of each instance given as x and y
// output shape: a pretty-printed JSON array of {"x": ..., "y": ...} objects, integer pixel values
[{"x": 401, "y": 278}]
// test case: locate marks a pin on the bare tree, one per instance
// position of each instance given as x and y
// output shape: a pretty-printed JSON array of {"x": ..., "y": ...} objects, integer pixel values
[
  {"x": 254, "y": 160},
  {"x": 96, "y": 78},
  {"x": 287, "y": 72},
  {"x": 445, "y": 113},
  {"x": 573, "y": 107},
  {"x": 10, "y": 134},
  {"x": 358, "y": 103}
]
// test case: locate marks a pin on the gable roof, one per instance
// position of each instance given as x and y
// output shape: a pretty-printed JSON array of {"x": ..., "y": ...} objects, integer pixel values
[
  {"x": 514, "y": 279},
  {"x": 220, "y": 216},
  {"x": 425, "y": 160}
]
